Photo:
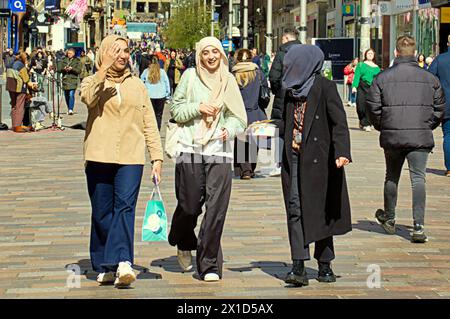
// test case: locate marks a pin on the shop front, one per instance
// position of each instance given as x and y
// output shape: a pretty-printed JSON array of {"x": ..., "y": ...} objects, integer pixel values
[
  {"x": 415, "y": 18},
  {"x": 444, "y": 22}
]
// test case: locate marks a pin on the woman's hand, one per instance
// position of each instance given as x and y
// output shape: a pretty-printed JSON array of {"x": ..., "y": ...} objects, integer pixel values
[
  {"x": 354, "y": 90},
  {"x": 341, "y": 162},
  {"x": 224, "y": 135},
  {"x": 208, "y": 110},
  {"x": 110, "y": 56},
  {"x": 156, "y": 172}
]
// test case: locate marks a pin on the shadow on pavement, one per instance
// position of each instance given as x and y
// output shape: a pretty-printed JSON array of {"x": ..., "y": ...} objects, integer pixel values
[
  {"x": 86, "y": 270},
  {"x": 275, "y": 269},
  {"x": 373, "y": 227},
  {"x": 434, "y": 171},
  {"x": 170, "y": 264}
]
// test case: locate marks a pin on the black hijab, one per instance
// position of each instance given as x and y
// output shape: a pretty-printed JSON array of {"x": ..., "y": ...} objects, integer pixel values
[{"x": 301, "y": 65}]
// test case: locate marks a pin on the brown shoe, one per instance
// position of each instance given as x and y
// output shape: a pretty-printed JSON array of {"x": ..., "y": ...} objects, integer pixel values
[
  {"x": 21, "y": 129},
  {"x": 447, "y": 173}
]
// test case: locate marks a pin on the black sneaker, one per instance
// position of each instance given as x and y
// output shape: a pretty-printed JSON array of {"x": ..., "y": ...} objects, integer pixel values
[
  {"x": 385, "y": 222},
  {"x": 418, "y": 234},
  {"x": 297, "y": 276},
  {"x": 326, "y": 273}
]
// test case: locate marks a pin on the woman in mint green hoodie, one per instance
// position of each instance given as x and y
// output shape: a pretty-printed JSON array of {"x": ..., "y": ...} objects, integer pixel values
[{"x": 208, "y": 105}]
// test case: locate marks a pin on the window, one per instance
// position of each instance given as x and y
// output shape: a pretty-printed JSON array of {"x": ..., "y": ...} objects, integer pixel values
[
  {"x": 140, "y": 7},
  {"x": 126, "y": 5},
  {"x": 153, "y": 7}
]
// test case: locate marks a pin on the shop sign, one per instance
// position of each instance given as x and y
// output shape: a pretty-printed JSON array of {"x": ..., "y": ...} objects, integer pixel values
[
  {"x": 348, "y": 10},
  {"x": 385, "y": 8},
  {"x": 439, "y": 3},
  {"x": 402, "y": 6},
  {"x": 18, "y": 5},
  {"x": 424, "y": 4},
  {"x": 52, "y": 5},
  {"x": 445, "y": 15},
  {"x": 5, "y": 13}
]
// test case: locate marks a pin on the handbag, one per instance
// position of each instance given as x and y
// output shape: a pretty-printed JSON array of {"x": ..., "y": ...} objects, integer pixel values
[
  {"x": 264, "y": 94},
  {"x": 171, "y": 140},
  {"x": 154, "y": 227},
  {"x": 173, "y": 130}
]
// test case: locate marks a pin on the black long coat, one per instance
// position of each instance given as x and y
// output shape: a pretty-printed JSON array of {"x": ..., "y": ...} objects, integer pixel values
[{"x": 323, "y": 189}]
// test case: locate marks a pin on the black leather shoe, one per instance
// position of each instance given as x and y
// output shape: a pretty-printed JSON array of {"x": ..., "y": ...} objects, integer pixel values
[
  {"x": 297, "y": 276},
  {"x": 326, "y": 273}
]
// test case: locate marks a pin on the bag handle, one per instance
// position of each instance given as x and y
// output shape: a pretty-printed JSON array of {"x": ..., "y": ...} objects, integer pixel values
[{"x": 156, "y": 191}]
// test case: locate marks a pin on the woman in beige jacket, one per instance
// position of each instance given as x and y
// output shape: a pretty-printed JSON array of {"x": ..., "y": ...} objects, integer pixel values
[{"x": 121, "y": 122}]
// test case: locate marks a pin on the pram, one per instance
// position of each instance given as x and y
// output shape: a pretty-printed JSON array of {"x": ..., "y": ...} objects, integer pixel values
[{"x": 37, "y": 107}]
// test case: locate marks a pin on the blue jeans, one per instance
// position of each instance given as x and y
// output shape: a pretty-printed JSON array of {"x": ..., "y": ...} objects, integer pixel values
[
  {"x": 351, "y": 96},
  {"x": 113, "y": 190},
  {"x": 446, "y": 131},
  {"x": 70, "y": 98}
]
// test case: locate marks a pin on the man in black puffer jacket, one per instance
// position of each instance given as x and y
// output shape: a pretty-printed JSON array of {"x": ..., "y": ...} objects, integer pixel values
[
  {"x": 276, "y": 72},
  {"x": 275, "y": 77},
  {"x": 405, "y": 103}
]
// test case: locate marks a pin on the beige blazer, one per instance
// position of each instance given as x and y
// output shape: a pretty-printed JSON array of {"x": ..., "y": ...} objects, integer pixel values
[{"x": 121, "y": 122}]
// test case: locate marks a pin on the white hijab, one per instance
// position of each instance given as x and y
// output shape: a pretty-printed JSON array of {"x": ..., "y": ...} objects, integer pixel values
[{"x": 223, "y": 86}]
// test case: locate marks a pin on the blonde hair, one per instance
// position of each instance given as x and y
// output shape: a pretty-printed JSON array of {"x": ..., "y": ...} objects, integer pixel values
[
  {"x": 244, "y": 78},
  {"x": 154, "y": 73}
]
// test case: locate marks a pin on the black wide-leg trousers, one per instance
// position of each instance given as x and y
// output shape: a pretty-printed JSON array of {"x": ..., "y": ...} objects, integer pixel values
[{"x": 201, "y": 180}]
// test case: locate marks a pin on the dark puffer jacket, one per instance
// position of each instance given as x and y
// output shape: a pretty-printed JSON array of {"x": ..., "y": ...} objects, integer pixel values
[
  {"x": 406, "y": 103},
  {"x": 276, "y": 77}
]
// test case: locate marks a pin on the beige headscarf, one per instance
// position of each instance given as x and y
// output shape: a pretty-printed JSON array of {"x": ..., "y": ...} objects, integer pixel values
[
  {"x": 111, "y": 74},
  {"x": 244, "y": 67},
  {"x": 224, "y": 89}
]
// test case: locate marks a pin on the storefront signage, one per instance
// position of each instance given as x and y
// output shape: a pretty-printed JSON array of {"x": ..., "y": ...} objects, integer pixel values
[
  {"x": 401, "y": 6},
  {"x": 439, "y": 3},
  {"x": 51, "y": 5},
  {"x": 385, "y": 8},
  {"x": 424, "y": 4},
  {"x": 388, "y": 8},
  {"x": 5, "y": 12},
  {"x": 348, "y": 10},
  {"x": 18, "y": 5},
  {"x": 445, "y": 15}
]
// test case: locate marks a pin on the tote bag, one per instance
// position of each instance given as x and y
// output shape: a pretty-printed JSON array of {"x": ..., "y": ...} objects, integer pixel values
[
  {"x": 173, "y": 131},
  {"x": 154, "y": 227}
]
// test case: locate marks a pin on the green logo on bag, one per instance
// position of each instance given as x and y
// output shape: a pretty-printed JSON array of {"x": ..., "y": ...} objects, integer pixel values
[{"x": 154, "y": 227}]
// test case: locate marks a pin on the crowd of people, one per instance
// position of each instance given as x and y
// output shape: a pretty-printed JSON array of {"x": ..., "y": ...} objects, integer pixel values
[
  {"x": 32, "y": 72},
  {"x": 358, "y": 77},
  {"x": 214, "y": 97}
]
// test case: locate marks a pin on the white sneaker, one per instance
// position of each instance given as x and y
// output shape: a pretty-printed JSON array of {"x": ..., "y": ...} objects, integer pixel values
[
  {"x": 212, "y": 277},
  {"x": 70, "y": 112},
  {"x": 275, "y": 172},
  {"x": 106, "y": 278},
  {"x": 125, "y": 275},
  {"x": 367, "y": 129},
  {"x": 185, "y": 259}
]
